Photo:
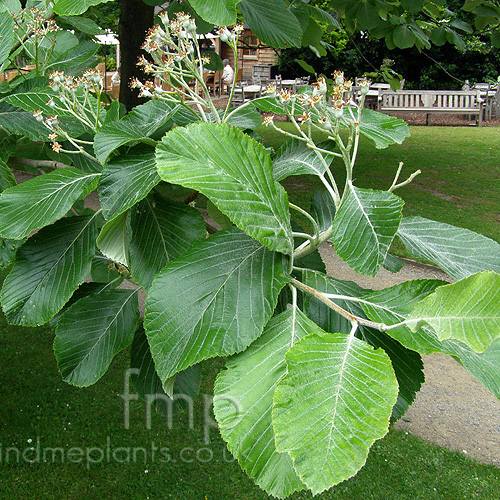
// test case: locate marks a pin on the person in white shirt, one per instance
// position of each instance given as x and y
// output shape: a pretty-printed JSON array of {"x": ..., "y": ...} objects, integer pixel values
[
  {"x": 227, "y": 73},
  {"x": 115, "y": 77}
]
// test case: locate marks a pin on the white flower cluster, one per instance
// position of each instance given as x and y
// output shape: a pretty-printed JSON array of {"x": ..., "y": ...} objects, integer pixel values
[{"x": 33, "y": 21}]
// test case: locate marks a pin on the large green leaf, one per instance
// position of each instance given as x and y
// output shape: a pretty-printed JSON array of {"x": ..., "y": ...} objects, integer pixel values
[
  {"x": 140, "y": 125},
  {"x": 235, "y": 172},
  {"x": 92, "y": 331},
  {"x": 295, "y": 158},
  {"x": 220, "y": 12},
  {"x": 42, "y": 200},
  {"x": 213, "y": 300},
  {"x": 457, "y": 251},
  {"x": 467, "y": 311},
  {"x": 403, "y": 37},
  {"x": 149, "y": 386},
  {"x": 161, "y": 231},
  {"x": 272, "y": 22},
  {"x": 6, "y": 35},
  {"x": 74, "y": 7},
  {"x": 38, "y": 98},
  {"x": 364, "y": 228},
  {"x": 74, "y": 61},
  {"x": 333, "y": 403},
  {"x": 407, "y": 364},
  {"x": 392, "y": 305},
  {"x": 382, "y": 129},
  {"x": 49, "y": 267},
  {"x": 22, "y": 123},
  {"x": 113, "y": 240},
  {"x": 243, "y": 400},
  {"x": 127, "y": 179}
]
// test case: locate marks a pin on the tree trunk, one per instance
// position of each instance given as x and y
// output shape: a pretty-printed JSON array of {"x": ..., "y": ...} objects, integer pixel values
[{"x": 135, "y": 19}]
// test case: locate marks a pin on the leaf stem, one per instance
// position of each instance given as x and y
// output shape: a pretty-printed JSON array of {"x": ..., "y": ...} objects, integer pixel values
[{"x": 332, "y": 305}]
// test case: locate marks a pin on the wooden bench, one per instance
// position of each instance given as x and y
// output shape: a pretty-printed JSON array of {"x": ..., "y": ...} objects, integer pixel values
[{"x": 433, "y": 101}]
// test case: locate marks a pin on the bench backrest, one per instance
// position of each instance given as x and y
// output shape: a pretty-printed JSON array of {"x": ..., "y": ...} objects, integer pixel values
[{"x": 440, "y": 99}]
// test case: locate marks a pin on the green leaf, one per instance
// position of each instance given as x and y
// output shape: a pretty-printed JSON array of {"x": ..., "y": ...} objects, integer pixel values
[
  {"x": 305, "y": 66},
  {"x": 12, "y": 6},
  {"x": 295, "y": 158},
  {"x": 103, "y": 270},
  {"x": 75, "y": 7},
  {"x": 8, "y": 249},
  {"x": 243, "y": 399},
  {"x": 92, "y": 331},
  {"x": 412, "y": 6},
  {"x": 323, "y": 209},
  {"x": 146, "y": 382},
  {"x": 312, "y": 37},
  {"x": 21, "y": 123},
  {"x": 495, "y": 38},
  {"x": 323, "y": 16},
  {"x": 220, "y": 12},
  {"x": 82, "y": 24},
  {"x": 459, "y": 252},
  {"x": 406, "y": 363},
  {"x": 467, "y": 311},
  {"x": 37, "y": 99},
  {"x": 6, "y": 35},
  {"x": 333, "y": 403},
  {"x": 215, "y": 214},
  {"x": 393, "y": 264},
  {"x": 64, "y": 41},
  {"x": 272, "y": 22},
  {"x": 113, "y": 240},
  {"x": 49, "y": 267},
  {"x": 140, "y": 125},
  {"x": 403, "y": 37},
  {"x": 373, "y": 217},
  {"x": 438, "y": 35},
  {"x": 42, "y": 200},
  {"x": 383, "y": 130},
  {"x": 394, "y": 304},
  {"x": 127, "y": 179},
  {"x": 247, "y": 118},
  {"x": 7, "y": 178},
  {"x": 408, "y": 368},
  {"x": 161, "y": 231},
  {"x": 229, "y": 284},
  {"x": 74, "y": 60},
  {"x": 235, "y": 172},
  {"x": 367, "y": 15}
]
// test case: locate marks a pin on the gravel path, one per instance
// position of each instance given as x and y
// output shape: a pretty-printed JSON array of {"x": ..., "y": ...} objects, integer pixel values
[{"x": 453, "y": 409}]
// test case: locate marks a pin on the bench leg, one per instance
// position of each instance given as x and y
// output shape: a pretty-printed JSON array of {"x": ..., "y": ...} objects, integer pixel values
[{"x": 428, "y": 119}]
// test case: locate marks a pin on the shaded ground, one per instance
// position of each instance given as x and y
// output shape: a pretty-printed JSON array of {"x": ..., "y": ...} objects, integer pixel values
[{"x": 453, "y": 409}]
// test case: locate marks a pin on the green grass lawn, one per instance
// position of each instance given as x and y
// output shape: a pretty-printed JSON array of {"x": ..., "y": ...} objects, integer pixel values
[{"x": 459, "y": 184}]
